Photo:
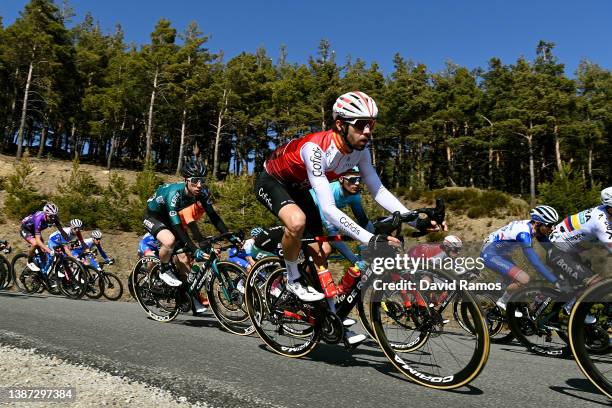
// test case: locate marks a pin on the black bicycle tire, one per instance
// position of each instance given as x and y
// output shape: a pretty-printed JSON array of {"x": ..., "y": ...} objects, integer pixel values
[
  {"x": 236, "y": 327},
  {"x": 459, "y": 379},
  {"x": 164, "y": 319},
  {"x": 78, "y": 281},
  {"x": 91, "y": 271},
  {"x": 6, "y": 272},
  {"x": 515, "y": 325},
  {"x": 106, "y": 277},
  {"x": 277, "y": 348},
  {"x": 16, "y": 279},
  {"x": 576, "y": 336}
]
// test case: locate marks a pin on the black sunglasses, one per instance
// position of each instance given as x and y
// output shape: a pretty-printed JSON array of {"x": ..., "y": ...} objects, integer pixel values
[{"x": 196, "y": 180}]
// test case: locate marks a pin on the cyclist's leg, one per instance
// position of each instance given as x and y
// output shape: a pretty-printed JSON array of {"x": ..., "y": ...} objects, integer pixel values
[
  {"x": 167, "y": 241},
  {"x": 505, "y": 267},
  {"x": 278, "y": 200},
  {"x": 275, "y": 197}
]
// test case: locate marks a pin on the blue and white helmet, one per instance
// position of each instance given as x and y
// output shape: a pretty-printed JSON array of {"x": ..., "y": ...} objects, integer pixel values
[
  {"x": 544, "y": 214},
  {"x": 76, "y": 223},
  {"x": 256, "y": 231},
  {"x": 606, "y": 196}
]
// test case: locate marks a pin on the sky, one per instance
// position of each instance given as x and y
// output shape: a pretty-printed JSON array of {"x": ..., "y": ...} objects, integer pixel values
[{"x": 466, "y": 32}]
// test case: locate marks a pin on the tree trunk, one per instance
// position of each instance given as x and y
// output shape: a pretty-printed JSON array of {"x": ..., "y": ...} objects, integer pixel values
[
  {"x": 179, "y": 165},
  {"x": 471, "y": 174},
  {"x": 558, "y": 151},
  {"x": 421, "y": 170},
  {"x": 322, "y": 118},
  {"x": 532, "y": 193},
  {"x": 398, "y": 168},
  {"x": 590, "y": 166},
  {"x": 75, "y": 146},
  {"x": 222, "y": 112},
  {"x": 109, "y": 159},
  {"x": 150, "y": 119},
  {"x": 43, "y": 139},
  {"x": 449, "y": 158},
  {"x": 24, "y": 108},
  {"x": 490, "y": 168}
]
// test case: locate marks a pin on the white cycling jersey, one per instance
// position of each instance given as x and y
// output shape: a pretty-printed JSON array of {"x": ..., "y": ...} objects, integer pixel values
[
  {"x": 333, "y": 160},
  {"x": 578, "y": 232}
]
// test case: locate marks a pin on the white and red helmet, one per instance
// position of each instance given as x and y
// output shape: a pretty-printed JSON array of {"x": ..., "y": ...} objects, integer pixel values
[
  {"x": 355, "y": 105},
  {"x": 452, "y": 243}
]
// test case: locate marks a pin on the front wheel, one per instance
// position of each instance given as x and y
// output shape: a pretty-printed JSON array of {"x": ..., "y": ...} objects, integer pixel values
[
  {"x": 225, "y": 292},
  {"x": 590, "y": 328},
  {"x": 113, "y": 288},
  {"x": 6, "y": 274},
  {"x": 72, "y": 277},
  {"x": 95, "y": 285},
  {"x": 451, "y": 357}
]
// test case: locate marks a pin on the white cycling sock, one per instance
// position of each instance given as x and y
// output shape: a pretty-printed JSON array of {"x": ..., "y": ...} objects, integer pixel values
[{"x": 293, "y": 273}]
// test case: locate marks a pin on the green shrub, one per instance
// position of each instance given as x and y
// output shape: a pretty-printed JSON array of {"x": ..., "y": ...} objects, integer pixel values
[
  {"x": 22, "y": 198},
  {"x": 78, "y": 197},
  {"x": 146, "y": 183},
  {"x": 568, "y": 193},
  {"x": 477, "y": 203},
  {"x": 235, "y": 201},
  {"x": 116, "y": 206}
]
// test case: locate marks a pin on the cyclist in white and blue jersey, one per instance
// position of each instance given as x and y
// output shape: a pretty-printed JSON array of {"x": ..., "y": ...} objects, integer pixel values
[
  {"x": 90, "y": 243},
  {"x": 520, "y": 234}
]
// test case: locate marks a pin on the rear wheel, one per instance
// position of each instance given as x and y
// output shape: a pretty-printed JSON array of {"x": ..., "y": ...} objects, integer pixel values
[
  {"x": 288, "y": 326},
  {"x": 26, "y": 280},
  {"x": 533, "y": 315}
]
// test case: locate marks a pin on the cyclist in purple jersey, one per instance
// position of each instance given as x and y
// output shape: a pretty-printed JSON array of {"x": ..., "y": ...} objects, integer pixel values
[{"x": 31, "y": 231}]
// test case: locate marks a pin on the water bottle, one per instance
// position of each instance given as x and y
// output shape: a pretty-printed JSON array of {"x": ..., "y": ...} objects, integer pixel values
[
  {"x": 327, "y": 282},
  {"x": 348, "y": 280},
  {"x": 193, "y": 273}
]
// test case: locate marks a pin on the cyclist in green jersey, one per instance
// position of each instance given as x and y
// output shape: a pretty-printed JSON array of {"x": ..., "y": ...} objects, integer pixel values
[{"x": 162, "y": 219}]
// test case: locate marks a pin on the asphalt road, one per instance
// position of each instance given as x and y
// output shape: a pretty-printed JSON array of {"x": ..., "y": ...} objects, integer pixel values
[{"x": 192, "y": 357}]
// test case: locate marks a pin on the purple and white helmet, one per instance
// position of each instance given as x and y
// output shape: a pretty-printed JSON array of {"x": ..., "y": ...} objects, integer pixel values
[{"x": 355, "y": 105}]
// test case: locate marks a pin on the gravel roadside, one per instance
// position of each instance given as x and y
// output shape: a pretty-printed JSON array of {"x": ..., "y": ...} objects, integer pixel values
[{"x": 25, "y": 368}]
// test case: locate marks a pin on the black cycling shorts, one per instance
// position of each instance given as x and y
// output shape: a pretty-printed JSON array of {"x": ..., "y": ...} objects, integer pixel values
[
  {"x": 274, "y": 195},
  {"x": 155, "y": 222}
]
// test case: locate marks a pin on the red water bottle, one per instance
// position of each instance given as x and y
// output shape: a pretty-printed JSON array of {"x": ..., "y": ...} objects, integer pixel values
[
  {"x": 348, "y": 280},
  {"x": 327, "y": 282}
]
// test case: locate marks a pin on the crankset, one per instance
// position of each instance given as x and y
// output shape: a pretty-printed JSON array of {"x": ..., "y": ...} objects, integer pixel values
[{"x": 333, "y": 330}]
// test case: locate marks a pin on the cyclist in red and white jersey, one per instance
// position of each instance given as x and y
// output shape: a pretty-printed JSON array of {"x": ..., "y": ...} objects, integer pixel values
[{"x": 313, "y": 161}]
